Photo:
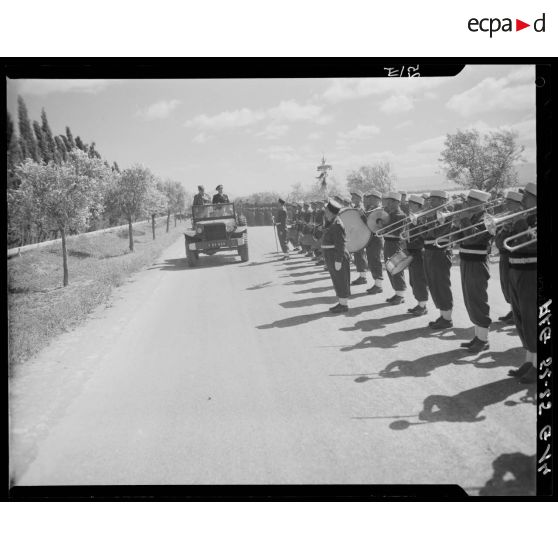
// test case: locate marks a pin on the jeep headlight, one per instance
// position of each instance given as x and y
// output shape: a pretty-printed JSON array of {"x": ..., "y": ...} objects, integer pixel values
[
  {"x": 199, "y": 229},
  {"x": 229, "y": 227}
]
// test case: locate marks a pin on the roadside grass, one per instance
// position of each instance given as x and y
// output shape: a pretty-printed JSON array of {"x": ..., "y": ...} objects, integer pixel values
[{"x": 40, "y": 308}]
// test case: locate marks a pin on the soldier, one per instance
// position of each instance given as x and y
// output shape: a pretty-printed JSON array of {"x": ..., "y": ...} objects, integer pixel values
[
  {"x": 373, "y": 200},
  {"x": 201, "y": 198},
  {"x": 523, "y": 291},
  {"x": 404, "y": 204},
  {"x": 415, "y": 248},
  {"x": 219, "y": 197},
  {"x": 307, "y": 230},
  {"x": 359, "y": 257},
  {"x": 318, "y": 231},
  {"x": 336, "y": 256},
  {"x": 474, "y": 267},
  {"x": 437, "y": 263},
  {"x": 513, "y": 205},
  {"x": 393, "y": 243},
  {"x": 282, "y": 228}
]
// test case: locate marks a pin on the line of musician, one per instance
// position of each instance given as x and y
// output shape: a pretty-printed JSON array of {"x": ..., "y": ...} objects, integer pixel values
[{"x": 422, "y": 239}]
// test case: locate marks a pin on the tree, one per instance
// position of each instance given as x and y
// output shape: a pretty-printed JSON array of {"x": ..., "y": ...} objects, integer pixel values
[
  {"x": 372, "y": 177},
  {"x": 61, "y": 148},
  {"x": 115, "y": 166},
  {"x": 155, "y": 203},
  {"x": 60, "y": 195},
  {"x": 48, "y": 140},
  {"x": 13, "y": 155},
  {"x": 130, "y": 193},
  {"x": 27, "y": 142},
  {"x": 484, "y": 164},
  {"x": 41, "y": 143},
  {"x": 81, "y": 145},
  {"x": 70, "y": 139}
]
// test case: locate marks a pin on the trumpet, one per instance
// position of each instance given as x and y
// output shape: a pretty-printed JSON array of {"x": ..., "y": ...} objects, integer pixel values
[
  {"x": 530, "y": 233},
  {"x": 493, "y": 223}
]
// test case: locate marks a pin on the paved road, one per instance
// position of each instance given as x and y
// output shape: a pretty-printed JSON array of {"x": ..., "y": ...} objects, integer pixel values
[{"x": 236, "y": 373}]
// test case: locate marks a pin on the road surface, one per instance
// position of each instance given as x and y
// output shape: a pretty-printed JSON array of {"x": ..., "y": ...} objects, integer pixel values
[{"x": 237, "y": 373}]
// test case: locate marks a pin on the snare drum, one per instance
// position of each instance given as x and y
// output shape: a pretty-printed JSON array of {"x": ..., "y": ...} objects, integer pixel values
[{"x": 398, "y": 262}]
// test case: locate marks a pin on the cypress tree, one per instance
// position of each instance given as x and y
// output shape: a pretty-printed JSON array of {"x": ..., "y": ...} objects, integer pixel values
[
  {"x": 80, "y": 144},
  {"x": 27, "y": 142},
  {"x": 49, "y": 145},
  {"x": 115, "y": 166},
  {"x": 13, "y": 156},
  {"x": 70, "y": 138},
  {"x": 43, "y": 151},
  {"x": 61, "y": 150}
]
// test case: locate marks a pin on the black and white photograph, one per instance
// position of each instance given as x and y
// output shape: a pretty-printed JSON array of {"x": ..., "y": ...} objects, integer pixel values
[{"x": 304, "y": 279}]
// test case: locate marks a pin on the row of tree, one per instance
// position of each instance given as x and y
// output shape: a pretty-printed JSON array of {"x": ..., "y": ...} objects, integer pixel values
[{"x": 54, "y": 190}]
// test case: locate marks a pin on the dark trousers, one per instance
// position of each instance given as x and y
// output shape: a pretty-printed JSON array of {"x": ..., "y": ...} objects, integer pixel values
[
  {"x": 505, "y": 275},
  {"x": 341, "y": 279},
  {"x": 437, "y": 270},
  {"x": 474, "y": 283},
  {"x": 282, "y": 235},
  {"x": 398, "y": 280},
  {"x": 374, "y": 256},
  {"x": 417, "y": 277},
  {"x": 523, "y": 298},
  {"x": 360, "y": 260}
]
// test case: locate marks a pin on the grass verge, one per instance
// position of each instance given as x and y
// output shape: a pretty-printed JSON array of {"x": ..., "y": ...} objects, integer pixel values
[{"x": 40, "y": 308}]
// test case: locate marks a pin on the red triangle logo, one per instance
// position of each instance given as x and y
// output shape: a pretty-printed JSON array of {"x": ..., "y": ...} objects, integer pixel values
[{"x": 519, "y": 25}]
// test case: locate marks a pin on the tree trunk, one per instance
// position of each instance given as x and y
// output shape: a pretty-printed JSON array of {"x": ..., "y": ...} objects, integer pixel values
[
  {"x": 64, "y": 255},
  {"x": 175, "y": 220},
  {"x": 168, "y": 220},
  {"x": 153, "y": 224},
  {"x": 130, "y": 234}
]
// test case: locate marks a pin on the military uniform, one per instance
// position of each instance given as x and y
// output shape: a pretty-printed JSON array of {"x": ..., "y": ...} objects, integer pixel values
[
  {"x": 475, "y": 271},
  {"x": 220, "y": 198},
  {"x": 375, "y": 246},
  {"x": 360, "y": 256},
  {"x": 417, "y": 276},
  {"x": 437, "y": 266},
  {"x": 201, "y": 199},
  {"x": 282, "y": 226},
  {"x": 523, "y": 295},
  {"x": 393, "y": 243},
  {"x": 335, "y": 251}
]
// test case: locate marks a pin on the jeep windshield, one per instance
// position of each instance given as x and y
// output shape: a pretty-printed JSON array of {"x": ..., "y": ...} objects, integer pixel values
[{"x": 217, "y": 211}]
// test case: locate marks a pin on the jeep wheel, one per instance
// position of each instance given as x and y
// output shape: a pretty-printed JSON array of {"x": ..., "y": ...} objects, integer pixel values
[
  {"x": 191, "y": 256},
  {"x": 243, "y": 250}
]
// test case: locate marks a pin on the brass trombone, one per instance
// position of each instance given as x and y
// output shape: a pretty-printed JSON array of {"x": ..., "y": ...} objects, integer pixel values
[
  {"x": 438, "y": 242},
  {"x": 531, "y": 233},
  {"x": 404, "y": 222},
  {"x": 443, "y": 216},
  {"x": 493, "y": 222}
]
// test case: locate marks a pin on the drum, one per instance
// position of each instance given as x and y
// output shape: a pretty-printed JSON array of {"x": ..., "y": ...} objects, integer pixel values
[
  {"x": 377, "y": 219},
  {"x": 398, "y": 262},
  {"x": 357, "y": 233}
]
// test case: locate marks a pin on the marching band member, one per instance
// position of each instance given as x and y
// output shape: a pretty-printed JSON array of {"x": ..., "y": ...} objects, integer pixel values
[
  {"x": 336, "y": 256},
  {"x": 306, "y": 236},
  {"x": 523, "y": 291},
  {"x": 512, "y": 204},
  {"x": 404, "y": 205},
  {"x": 475, "y": 270},
  {"x": 359, "y": 257},
  {"x": 373, "y": 200},
  {"x": 393, "y": 243},
  {"x": 437, "y": 265},
  {"x": 417, "y": 277},
  {"x": 319, "y": 224}
]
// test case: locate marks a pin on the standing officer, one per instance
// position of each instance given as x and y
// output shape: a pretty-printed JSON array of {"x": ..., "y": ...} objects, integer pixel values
[
  {"x": 417, "y": 277},
  {"x": 437, "y": 263},
  {"x": 474, "y": 266},
  {"x": 523, "y": 291},
  {"x": 201, "y": 198},
  {"x": 393, "y": 243},
  {"x": 282, "y": 228},
  {"x": 219, "y": 197},
  {"x": 513, "y": 205},
  {"x": 336, "y": 256},
  {"x": 360, "y": 256},
  {"x": 404, "y": 204},
  {"x": 373, "y": 200}
]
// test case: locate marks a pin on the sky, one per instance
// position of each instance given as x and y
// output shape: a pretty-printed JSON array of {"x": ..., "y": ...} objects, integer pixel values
[{"x": 255, "y": 135}]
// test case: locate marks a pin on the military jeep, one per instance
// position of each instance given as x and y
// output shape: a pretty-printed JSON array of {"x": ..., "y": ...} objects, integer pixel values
[{"x": 216, "y": 228}]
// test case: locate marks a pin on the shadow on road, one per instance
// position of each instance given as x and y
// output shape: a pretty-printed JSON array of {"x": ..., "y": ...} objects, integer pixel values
[
  {"x": 465, "y": 406},
  {"x": 303, "y": 273},
  {"x": 315, "y": 290},
  {"x": 181, "y": 264},
  {"x": 306, "y": 281},
  {"x": 259, "y": 286},
  {"x": 253, "y": 264},
  {"x": 299, "y": 320},
  {"x": 378, "y": 323},
  {"x": 491, "y": 359},
  {"x": 314, "y": 300},
  {"x": 522, "y": 470}
]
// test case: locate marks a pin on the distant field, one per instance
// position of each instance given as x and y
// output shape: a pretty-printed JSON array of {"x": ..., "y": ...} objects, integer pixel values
[{"x": 39, "y": 307}]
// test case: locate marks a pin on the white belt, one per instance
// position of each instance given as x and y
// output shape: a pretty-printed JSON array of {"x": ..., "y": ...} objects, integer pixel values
[
  {"x": 430, "y": 241},
  {"x": 467, "y": 251},
  {"x": 523, "y": 260},
  {"x": 326, "y": 246}
]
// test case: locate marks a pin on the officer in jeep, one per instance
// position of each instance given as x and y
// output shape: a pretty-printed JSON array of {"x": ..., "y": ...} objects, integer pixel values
[
  {"x": 219, "y": 197},
  {"x": 201, "y": 198}
]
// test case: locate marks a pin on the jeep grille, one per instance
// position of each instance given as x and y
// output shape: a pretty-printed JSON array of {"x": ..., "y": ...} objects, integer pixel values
[{"x": 215, "y": 231}]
